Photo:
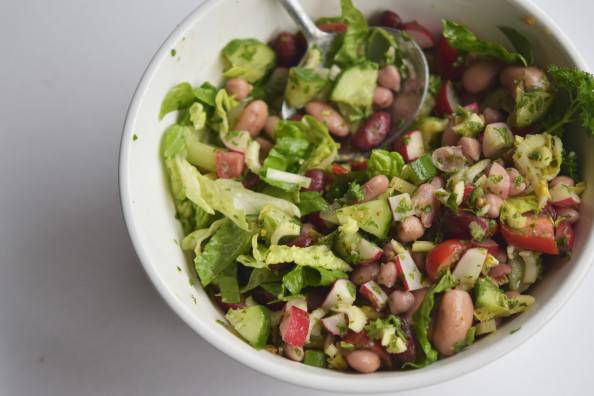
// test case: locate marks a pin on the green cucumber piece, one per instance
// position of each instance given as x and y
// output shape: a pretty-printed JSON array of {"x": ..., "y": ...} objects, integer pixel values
[
  {"x": 252, "y": 323},
  {"x": 420, "y": 170},
  {"x": 374, "y": 217},
  {"x": 315, "y": 358}
]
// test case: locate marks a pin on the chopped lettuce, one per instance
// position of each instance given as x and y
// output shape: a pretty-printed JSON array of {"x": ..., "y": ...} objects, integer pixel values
[
  {"x": 206, "y": 94},
  {"x": 249, "y": 59},
  {"x": 179, "y": 97},
  {"x": 491, "y": 302},
  {"x": 300, "y": 277},
  {"x": 197, "y": 115},
  {"x": 277, "y": 224},
  {"x": 260, "y": 277},
  {"x": 194, "y": 240},
  {"x": 311, "y": 202},
  {"x": 389, "y": 332},
  {"x": 318, "y": 256},
  {"x": 325, "y": 149},
  {"x": 464, "y": 40},
  {"x": 221, "y": 251},
  {"x": 422, "y": 319},
  {"x": 383, "y": 162},
  {"x": 228, "y": 285},
  {"x": 353, "y": 45}
]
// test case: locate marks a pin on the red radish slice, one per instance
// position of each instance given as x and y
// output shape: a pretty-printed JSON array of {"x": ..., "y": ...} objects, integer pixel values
[
  {"x": 565, "y": 236},
  {"x": 335, "y": 324},
  {"x": 469, "y": 267},
  {"x": 343, "y": 293},
  {"x": 489, "y": 244},
  {"x": 446, "y": 60},
  {"x": 410, "y": 145},
  {"x": 374, "y": 293},
  {"x": 447, "y": 99},
  {"x": 420, "y": 34},
  {"x": 411, "y": 275},
  {"x": 474, "y": 107},
  {"x": 562, "y": 196},
  {"x": 229, "y": 165},
  {"x": 369, "y": 252},
  {"x": 294, "y": 326},
  {"x": 401, "y": 206}
]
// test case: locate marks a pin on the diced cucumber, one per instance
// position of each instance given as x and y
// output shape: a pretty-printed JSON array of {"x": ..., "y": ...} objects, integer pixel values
[
  {"x": 486, "y": 327},
  {"x": 431, "y": 129},
  {"x": 355, "y": 85},
  {"x": 249, "y": 59},
  {"x": 402, "y": 186},
  {"x": 373, "y": 217},
  {"x": 420, "y": 170},
  {"x": 315, "y": 358},
  {"x": 304, "y": 85},
  {"x": 252, "y": 323},
  {"x": 422, "y": 246}
]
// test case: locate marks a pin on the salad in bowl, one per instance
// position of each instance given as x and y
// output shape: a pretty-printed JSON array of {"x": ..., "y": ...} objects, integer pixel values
[{"x": 327, "y": 244}]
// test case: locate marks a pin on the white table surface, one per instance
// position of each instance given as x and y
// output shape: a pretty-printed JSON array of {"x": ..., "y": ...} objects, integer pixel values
[{"x": 78, "y": 316}]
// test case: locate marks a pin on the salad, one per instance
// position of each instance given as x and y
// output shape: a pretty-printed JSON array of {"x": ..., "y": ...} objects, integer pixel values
[{"x": 326, "y": 246}]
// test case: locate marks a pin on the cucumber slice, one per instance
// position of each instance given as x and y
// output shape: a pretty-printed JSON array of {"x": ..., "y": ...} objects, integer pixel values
[
  {"x": 375, "y": 217},
  {"x": 315, "y": 358},
  {"x": 420, "y": 170},
  {"x": 252, "y": 323},
  {"x": 355, "y": 85}
]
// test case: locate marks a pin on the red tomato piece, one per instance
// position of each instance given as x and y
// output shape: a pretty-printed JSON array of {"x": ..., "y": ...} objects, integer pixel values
[
  {"x": 443, "y": 256},
  {"x": 565, "y": 236},
  {"x": 229, "y": 164},
  {"x": 359, "y": 339},
  {"x": 339, "y": 170},
  {"x": 538, "y": 235},
  {"x": 295, "y": 326},
  {"x": 333, "y": 27}
]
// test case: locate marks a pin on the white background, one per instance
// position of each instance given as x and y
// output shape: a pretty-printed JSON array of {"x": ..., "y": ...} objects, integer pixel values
[{"x": 78, "y": 316}]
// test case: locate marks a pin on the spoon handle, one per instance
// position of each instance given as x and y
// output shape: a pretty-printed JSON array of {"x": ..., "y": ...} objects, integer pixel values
[{"x": 300, "y": 17}]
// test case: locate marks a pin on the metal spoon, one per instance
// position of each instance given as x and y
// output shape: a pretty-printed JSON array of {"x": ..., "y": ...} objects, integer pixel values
[{"x": 408, "y": 103}]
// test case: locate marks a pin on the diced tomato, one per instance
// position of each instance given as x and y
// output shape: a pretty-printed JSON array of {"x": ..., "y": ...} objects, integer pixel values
[
  {"x": 468, "y": 189},
  {"x": 296, "y": 117},
  {"x": 565, "y": 236},
  {"x": 333, "y": 27},
  {"x": 443, "y": 256},
  {"x": 489, "y": 244},
  {"x": 359, "y": 339},
  {"x": 295, "y": 326},
  {"x": 339, "y": 170},
  {"x": 358, "y": 165},
  {"x": 538, "y": 235},
  {"x": 229, "y": 164},
  {"x": 446, "y": 58}
]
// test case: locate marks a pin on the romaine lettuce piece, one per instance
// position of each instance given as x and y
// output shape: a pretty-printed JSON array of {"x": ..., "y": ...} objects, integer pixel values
[
  {"x": 300, "y": 277},
  {"x": 310, "y": 202},
  {"x": 352, "y": 49},
  {"x": 249, "y": 59},
  {"x": 491, "y": 302},
  {"x": 179, "y": 97},
  {"x": 194, "y": 240},
  {"x": 277, "y": 224},
  {"x": 318, "y": 256},
  {"x": 383, "y": 162}
]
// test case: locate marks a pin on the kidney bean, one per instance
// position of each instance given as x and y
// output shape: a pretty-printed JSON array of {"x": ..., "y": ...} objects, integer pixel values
[
  {"x": 253, "y": 118},
  {"x": 326, "y": 114},
  {"x": 333, "y": 27},
  {"x": 419, "y": 295},
  {"x": 400, "y": 301},
  {"x": 498, "y": 180},
  {"x": 238, "y": 88},
  {"x": 374, "y": 187},
  {"x": 363, "y": 361},
  {"x": 448, "y": 158},
  {"x": 373, "y": 131},
  {"x": 453, "y": 320},
  {"x": 265, "y": 146},
  {"x": 569, "y": 215},
  {"x": 251, "y": 180},
  {"x": 392, "y": 20},
  {"x": 382, "y": 98},
  {"x": 301, "y": 241},
  {"x": 410, "y": 355},
  {"x": 389, "y": 78},
  {"x": 479, "y": 76},
  {"x": 492, "y": 116},
  {"x": 449, "y": 137},
  {"x": 494, "y": 202},
  {"x": 457, "y": 226},
  {"x": 517, "y": 182},
  {"x": 365, "y": 273},
  {"x": 563, "y": 180},
  {"x": 419, "y": 259},
  {"x": 270, "y": 126},
  {"x": 409, "y": 229},
  {"x": 319, "y": 178},
  {"x": 532, "y": 78},
  {"x": 500, "y": 270},
  {"x": 287, "y": 49},
  {"x": 388, "y": 274},
  {"x": 471, "y": 148}
]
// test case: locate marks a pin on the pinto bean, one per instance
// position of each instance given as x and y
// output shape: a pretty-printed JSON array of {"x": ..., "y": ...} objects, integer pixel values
[
  {"x": 365, "y": 273},
  {"x": 389, "y": 78},
  {"x": 424, "y": 197},
  {"x": 373, "y": 131},
  {"x": 517, "y": 182},
  {"x": 405, "y": 105},
  {"x": 270, "y": 126},
  {"x": 479, "y": 76},
  {"x": 492, "y": 116},
  {"x": 448, "y": 158},
  {"x": 532, "y": 78},
  {"x": 382, "y": 98},
  {"x": 400, "y": 301},
  {"x": 326, "y": 114},
  {"x": 564, "y": 180},
  {"x": 388, "y": 274},
  {"x": 569, "y": 214},
  {"x": 498, "y": 180},
  {"x": 238, "y": 88},
  {"x": 471, "y": 148},
  {"x": 494, "y": 202},
  {"x": 389, "y": 252},
  {"x": 453, "y": 320},
  {"x": 253, "y": 118},
  {"x": 409, "y": 229},
  {"x": 374, "y": 187},
  {"x": 392, "y": 20},
  {"x": 364, "y": 361},
  {"x": 500, "y": 270},
  {"x": 449, "y": 137}
]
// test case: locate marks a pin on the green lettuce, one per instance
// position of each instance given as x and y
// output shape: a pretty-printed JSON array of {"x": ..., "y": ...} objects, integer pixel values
[
  {"x": 352, "y": 49},
  {"x": 301, "y": 277},
  {"x": 179, "y": 97},
  {"x": 318, "y": 256},
  {"x": 194, "y": 240},
  {"x": 221, "y": 251},
  {"x": 277, "y": 224},
  {"x": 325, "y": 149},
  {"x": 383, "y": 162},
  {"x": 228, "y": 285},
  {"x": 422, "y": 318},
  {"x": 461, "y": 38},
  {"x": 249, "y": 59},
  {"x": 206, "y": 94},
  {"x": 311, "y": 202},
  {"x": 262, "y": 277}
]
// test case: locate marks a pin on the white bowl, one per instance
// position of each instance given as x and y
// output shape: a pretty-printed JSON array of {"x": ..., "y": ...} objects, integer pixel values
[{"x": 149, "y": 211}]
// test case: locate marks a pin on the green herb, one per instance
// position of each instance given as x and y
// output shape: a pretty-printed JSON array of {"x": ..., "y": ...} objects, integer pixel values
[
  {"x": 469, "y": 340},
  {"x": 134, "y": 137},
  {"x": 354, "y": 193},
  {"x": 569, "y": 166},
  {"x": 514, "y": 330},
  {"x": 464, "y": 40},
  {"x": 520, "y": 43},
  {"x": 173, "y": 52}
]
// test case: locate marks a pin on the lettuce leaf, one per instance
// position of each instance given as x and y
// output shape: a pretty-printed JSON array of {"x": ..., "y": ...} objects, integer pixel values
[
  {"x": 318, "y": 256},
  {"x": 261, "y": 277},
  {"x": 461, "y": 38},
  {"x": 221, "y": 251},
  {"x": 422, "y": 318},
  {"x": 325, "y": 149},
  {"x": 301, "y": 277},
  {"x": 194, "y": 240},
  {"x": 179, "y": 97},
  {"x": 383, "y": 162},
  {"x": 311, "y": 202},
  {"x": 353, "y": 45},
  {"x": 206, "y": 94},
  {"x": 228, "y": 285}
]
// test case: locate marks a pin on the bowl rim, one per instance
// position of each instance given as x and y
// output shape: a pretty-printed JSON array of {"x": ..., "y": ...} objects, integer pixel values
[{"x": 315, "y": 378}]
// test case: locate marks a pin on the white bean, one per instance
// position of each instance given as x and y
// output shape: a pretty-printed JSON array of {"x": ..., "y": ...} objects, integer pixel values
[
  {"x": 409, "y": 229},
  {"x": 238, "y": 88},
  {"x": 375, "y": 186},
  {"x": 389, "y": 77},
  {"x": 253, "y": 118},
  {"x": 326, "y": 114},
  {"x": 364, "y": 361}
]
